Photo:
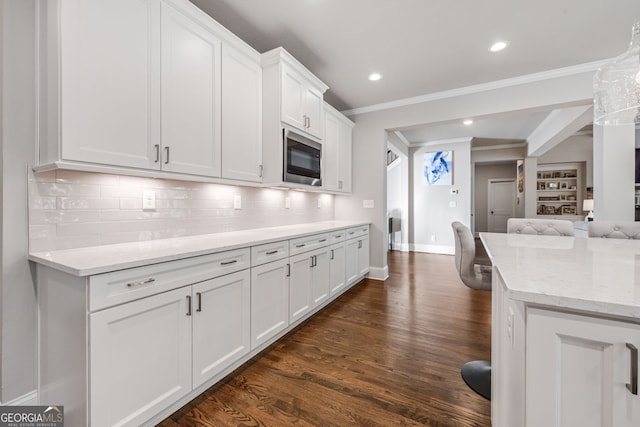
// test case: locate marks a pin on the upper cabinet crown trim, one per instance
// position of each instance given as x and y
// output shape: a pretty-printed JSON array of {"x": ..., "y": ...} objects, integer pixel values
[{"x": 279, "y": 54}]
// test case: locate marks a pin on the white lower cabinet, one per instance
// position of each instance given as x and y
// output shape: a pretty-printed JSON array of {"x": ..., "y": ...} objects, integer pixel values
[
  {"x": 127, "y": 346},
  {"x": 188, "y": 335},
  {"x": 357, "y": 254},
  {"x": 269, "y": 301},
  {"x": 577, "y": 370},
  {"x": 221, "y": 324},
  {"x": 337, "y": 263},
  {"x": 140, "y": 358}
]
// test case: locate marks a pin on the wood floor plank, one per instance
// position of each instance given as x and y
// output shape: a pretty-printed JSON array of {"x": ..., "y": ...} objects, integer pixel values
[{"x": 385, "y": 353}]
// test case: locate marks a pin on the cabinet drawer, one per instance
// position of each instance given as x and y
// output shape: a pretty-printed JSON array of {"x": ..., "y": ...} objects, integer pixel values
[
  {"x": 338, "y": 236},
  {"x": 307, "y": 243},
  {"x": 109, "y": 289},
  {"x": 354, "y": 232},
  {"x": 268, "y": 252}
]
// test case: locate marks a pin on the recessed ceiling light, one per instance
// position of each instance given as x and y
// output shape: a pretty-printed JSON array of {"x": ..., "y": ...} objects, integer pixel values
[
  {"x": 374, "y": 77},
  {"x": 467, "y": 122},
  {"x": 498, "y": 46}
]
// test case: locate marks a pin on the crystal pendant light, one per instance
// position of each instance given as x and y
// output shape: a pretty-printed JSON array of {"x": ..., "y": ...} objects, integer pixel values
[{"x": 616, "y": 87}]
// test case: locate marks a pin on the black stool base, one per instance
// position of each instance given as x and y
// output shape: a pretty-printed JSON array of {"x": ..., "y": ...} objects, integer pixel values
[{"x": 477, "y": 375}]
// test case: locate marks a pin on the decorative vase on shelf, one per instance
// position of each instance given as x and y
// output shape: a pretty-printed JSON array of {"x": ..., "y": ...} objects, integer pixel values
[{"x": 616, "y": 87}]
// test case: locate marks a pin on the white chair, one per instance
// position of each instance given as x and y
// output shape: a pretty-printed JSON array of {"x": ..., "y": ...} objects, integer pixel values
[
  {"x": 614, "y": 229},
  {"x": 477, "y": 373},
  {"x": 547, "y": 227}
]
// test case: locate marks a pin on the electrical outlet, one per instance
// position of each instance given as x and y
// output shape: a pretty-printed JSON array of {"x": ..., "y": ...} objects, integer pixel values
[
  {"x": 319, "y": 203},
  {"x": 433, "y": 237},
  {"x": 148, "y": 200},
  {"x": 453, "y": 204},
  {"x": 237, "y": 201},
  {"x": 287, "y": 203}
]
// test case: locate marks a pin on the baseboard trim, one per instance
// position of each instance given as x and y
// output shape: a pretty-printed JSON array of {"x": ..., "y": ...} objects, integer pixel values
[
  {"x": 30, "y": 398},
  {"x": 376, "y": 273},
  {"x": 434, "y": 249}
]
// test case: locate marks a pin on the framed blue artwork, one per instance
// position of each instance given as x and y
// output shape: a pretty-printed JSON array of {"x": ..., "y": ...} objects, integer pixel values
[{"x": 438, "y": 168}]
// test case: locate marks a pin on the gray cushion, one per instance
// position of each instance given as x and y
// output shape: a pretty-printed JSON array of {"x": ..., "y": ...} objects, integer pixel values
[
  {"x": 615, "y": 229},
  {"x": 471, "y": 274},
  {"x": 547, "y": 227}
]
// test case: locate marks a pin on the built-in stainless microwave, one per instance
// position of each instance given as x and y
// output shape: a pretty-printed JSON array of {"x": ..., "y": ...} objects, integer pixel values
[{"x": 302, "y": 159}]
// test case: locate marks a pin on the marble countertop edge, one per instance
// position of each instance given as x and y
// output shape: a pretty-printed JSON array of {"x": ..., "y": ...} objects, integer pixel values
[{"x": 107, "y": 258}]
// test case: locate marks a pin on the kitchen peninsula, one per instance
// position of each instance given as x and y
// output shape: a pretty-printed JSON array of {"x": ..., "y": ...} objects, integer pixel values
[
  {"x": 565, "y": 330},
  {"x": 128, "y": 333}
]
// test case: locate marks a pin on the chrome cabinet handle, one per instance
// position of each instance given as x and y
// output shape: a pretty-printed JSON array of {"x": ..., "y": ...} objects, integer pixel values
[
  {"x": 199, "y": 309},
  {"x": 339, "y": 237},
  {"x": 322, "y": 240},
  {"x": 141, "y": 282},
  {"x": 633, "y": 386},
  {"x": 359, "y": 244},
  {"x": 166, "y": 151},
  {"x": 340, "y": 184},
  {"x": 260, "y": 171},
  {"x": 188, "y": 305},
  {"x": 288, "y": 270},
  {"x": 157, "y": 148},
  {"x": 301, "y": 245},
  {"x": 272, "y": 252},
  {"x": 311, "y": 262},
  {"x": 332, "y": 254},
  {"x": 229, "y": 262}
]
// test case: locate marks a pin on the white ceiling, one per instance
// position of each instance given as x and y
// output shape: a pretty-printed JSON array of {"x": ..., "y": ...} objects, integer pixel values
[{"x": 427, "y": 46}]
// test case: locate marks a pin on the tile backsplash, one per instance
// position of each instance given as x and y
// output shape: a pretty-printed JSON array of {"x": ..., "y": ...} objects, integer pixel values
[{"x": 69, "y": 209}]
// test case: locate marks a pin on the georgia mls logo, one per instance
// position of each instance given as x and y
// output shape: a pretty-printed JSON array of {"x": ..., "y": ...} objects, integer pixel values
[{"x": 32, "y": 416}]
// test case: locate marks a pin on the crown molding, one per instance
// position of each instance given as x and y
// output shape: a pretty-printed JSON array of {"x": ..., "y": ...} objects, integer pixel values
[{"x": 482, "y": 87}]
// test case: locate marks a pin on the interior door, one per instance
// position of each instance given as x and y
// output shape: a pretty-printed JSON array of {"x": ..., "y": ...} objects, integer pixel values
[{"x": 502, "y": 204}]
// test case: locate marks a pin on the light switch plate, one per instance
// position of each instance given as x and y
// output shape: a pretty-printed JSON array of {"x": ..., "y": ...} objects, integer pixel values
[
  {"x": 367, "y": 204},
  {"x": 148, "y": 200},
  {"x": 287, "y": 203},
  {"x": 237, "y": 201}
]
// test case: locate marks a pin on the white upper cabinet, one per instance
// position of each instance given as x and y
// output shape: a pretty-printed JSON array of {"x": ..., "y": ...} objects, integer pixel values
[
  {"x": 142, "y": 86},
  {"x": 302, "y": 103},
  {"x": 242, "y": 115},
  {"x": 107, "y": 110},
  {"x": 292, "y": 97},
  {"x": 191, "y": 96},
  {"x": 336, "y": 151}
]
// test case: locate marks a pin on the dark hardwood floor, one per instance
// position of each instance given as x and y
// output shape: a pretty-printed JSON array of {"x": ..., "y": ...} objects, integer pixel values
[{"x": 384, "y": 354}]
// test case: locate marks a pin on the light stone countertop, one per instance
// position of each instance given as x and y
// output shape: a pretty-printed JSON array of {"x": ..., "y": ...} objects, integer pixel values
[
  {"x": 103, "y": 259},
  {"x": 594, "y": 275}
]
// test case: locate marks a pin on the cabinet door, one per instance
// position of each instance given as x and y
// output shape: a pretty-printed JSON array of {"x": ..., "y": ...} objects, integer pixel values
[
  {"x": 191, "y": 96},
  {"x": 313, "y": 110},
  {"x": 344, "y": 158},
  {"x": 269, "y": 301},
  {"x": 321, "y": 276},
  {"x": 293, "y": 95},
  {"x": 221, "y": 324},
  {"x": 242, "y": 116},
  {"x": 337, "y": 268},
  {"x": 140, "y": 358},
  {"x": 576, "y": 371},
  {"x": 300, "y": 299},
  {"x": 330, "y": 153},
  {"x": 110, "y": 81},
  {"x": 363, "y": 256},
  {"x": 352, "y": 267}
]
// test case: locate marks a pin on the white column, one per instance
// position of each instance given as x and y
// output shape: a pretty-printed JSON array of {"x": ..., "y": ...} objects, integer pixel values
[{"x": 614, "y": 172}]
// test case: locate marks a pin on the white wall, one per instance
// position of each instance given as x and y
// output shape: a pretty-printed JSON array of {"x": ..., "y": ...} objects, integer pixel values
[
  {"x": 18, "y": 339},
  {"x": 614, "y": 173},
  {"x": 432, "y": 212},
  {"x": 484, "y": 172}
]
